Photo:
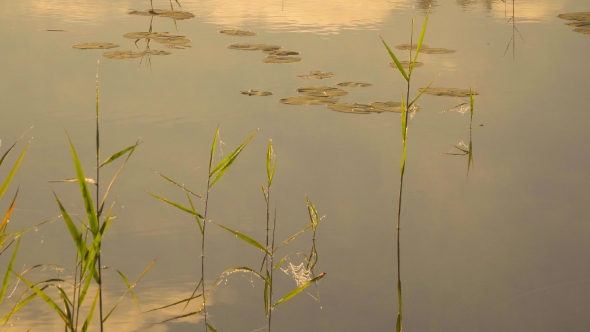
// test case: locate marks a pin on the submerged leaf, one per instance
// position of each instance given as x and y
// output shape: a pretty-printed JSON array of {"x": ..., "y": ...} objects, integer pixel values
[
  {"x": 320, "y": 90},
  {"x": 95, "y": 46},
  {"x": 173, "y": 14},
  {"x": 281, "y": 59},
  {"x": 123, "y": 55},
  {"x": 240, "y": 33},
  {"x": 355, "y": 84},
  {"x": 256, "y": 93},
  {"x": 308, "y": 100},
  {"x": 447, "y": 92}
]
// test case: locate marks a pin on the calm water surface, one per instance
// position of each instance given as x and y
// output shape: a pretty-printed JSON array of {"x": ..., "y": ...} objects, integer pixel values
[{"x": 506, "y": 249}]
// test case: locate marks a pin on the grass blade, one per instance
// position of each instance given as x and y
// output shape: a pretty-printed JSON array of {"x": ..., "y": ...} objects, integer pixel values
[
  {"x": 89, "y": 180},
  {"x": 225, "y": 164},
  {"x": 104, "y": 198},
  {"x": 7, "y": 275},
  {"x": 115, "y": 156},
  {"x": 181, "y": 186},
  {"x": 211, "y": 327},
  {"x": 398, "y": 324},
  {"x": 421, "y": 92},
  {"x": 213, "y": 146},
  {"x": 175, "y": 303},
  {"x": 292, "y": 237},
  {"x": 20, "y": 305},
  {"x": 420, "y": 41},
  {"x": 181, "y": 207},
  {"x": 14, "y": 168},
  {"x": 397, "y": 63},
  {"x": 298, "y": 290},
  {"x": 91, "y": 312},
  {"x": 4, "y": 222},
  {"x": 245, "y": 238}
]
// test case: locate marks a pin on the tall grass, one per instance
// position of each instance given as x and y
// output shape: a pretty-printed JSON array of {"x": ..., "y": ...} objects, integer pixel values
[
  {"x": 214, "y": 174},
  {"x": 407, "y": 106}
]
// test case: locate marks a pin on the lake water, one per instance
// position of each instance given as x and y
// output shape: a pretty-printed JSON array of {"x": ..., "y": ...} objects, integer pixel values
[{"x": 504, "y": 249}]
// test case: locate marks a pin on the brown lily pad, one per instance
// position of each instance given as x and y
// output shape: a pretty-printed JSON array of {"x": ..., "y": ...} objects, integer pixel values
[
  {"x": 256, "y": 93},
  {"x": 156, "y": 52},
  {"x": 173, "y": 14},
  {"x": 178, "y": 47},
  {"x": 407, "y": 47},
  {"x": 355, "y": 84},
  {"x": 317, "y": 75},
  {"x": 280, "y": 52},
  {"x": 281, "y": 59},
  {"x": 253, "y": 47},
  {"x": 436, "y": 51},
  {"x": 308, "y": 100},
  {"x": 387, "y": 106},
  {"x": 147, "y": 35},
  {"x": 353, "y": 108},
  {"x": 448, "y": 92},
  {"x": 321, "y": 90},
  {"x": 95, "y": 46},
  {"x": 584, "y": 30},
  {"x": 579, "y": 16},
  {"x": 172, "y": 40},
  {"x": 123, "y": 55},
  {"x": 239, "y": 33}
]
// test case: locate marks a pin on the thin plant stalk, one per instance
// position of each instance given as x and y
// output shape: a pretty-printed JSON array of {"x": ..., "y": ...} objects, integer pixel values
[{"x": 97, "y": 202}]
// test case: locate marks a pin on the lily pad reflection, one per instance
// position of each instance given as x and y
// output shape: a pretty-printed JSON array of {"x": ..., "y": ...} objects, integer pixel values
[
  {"x": 173, "y": 14},
  {"x": 240, "y": 33},
  {"x": 253, "y": 47},
  {"x": 437, "y": 51},
  {"x": 309, "y": 100},
  {"x": 281, "y": 59},
  {"x": 256, "y": 93},
  {"x": 317, "y": 75},
  {"x": 320, "y": 90},
  {"x": 355, "y": 84},
  {"x": 448, "y": 92},
  {"x": 95, "y": 46},
  {"x": 123, "y": 55},
  {"x": 407, "y": 47}
]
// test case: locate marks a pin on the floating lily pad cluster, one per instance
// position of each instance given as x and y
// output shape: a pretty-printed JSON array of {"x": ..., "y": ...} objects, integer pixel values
[
  {"x": 256, "y": 93},
  {"x": 447, "y": 92},
  {"x": 95, "y": 46},
  {"x": 275, "y": 53},
  {"x": 317, "y": 75},
  {"x": 579, "y": 20}
]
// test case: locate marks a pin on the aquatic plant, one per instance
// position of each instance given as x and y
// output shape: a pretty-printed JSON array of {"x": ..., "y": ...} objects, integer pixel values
[
  {"x": 407, "y": 106},
  {"x": 214, "y": 174}
]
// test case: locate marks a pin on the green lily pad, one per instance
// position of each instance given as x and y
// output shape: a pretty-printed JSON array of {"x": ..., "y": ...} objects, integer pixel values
[
  {"x": 353, "y": 108},
  {"x": 308, "y": 100},
  {"x": 321, "y": 90},
  {"x": 253, "y": 47},
  {"x": 256, "y": 93},
  {"x": 148, "y": 35},
  {"x": 448, "y": 92},
  {"x": 317, "y": 75},
  {"x": 406, "y": 64},
  {"x": 437, "y": 51},
  {"x": 172, "y": 40},
  {"x": 281, "y": 59},
  {"x": 355, "y": 84},
  {"x": 240, "y": 33},
  {"x": 178, "y": 47},
  {"x": 173, "y": 14},
  {"x": 579, "y": 16},
  {"x": 95, "y": 46},
  {"x": 584, "y": 30},
  {"x": 123, "y": 55},
  {"x": 280, "y": 52},
  {"x": 407, "y": 47},
  {"x": 156, "y": 52},
  {"x": 387, "y": 106}
]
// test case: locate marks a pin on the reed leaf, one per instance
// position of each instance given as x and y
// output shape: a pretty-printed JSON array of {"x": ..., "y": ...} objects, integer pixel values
[
  {"x": 298, "y": 290},
  {"x": 211, "y": 327},
  {"x": 104, "y": 198},
  {"x": 181, "y": 207},
  {"x": 421, "y": 92},
  {"x": 20, "y": 304},
  {"x": 74, "y": 232},
  {"x": 4, "y": 223},
  {"x": 225, "y": 164},
  {"x": 419, "y": 41},
  {"x": 115, "y": 156},
  {"x": 14, "y": 168},
  {"x": 397, "y": 63},
  {"x": 91, "y": 312},
  {"x": 89, "y": 180},
  {"x": 7, "y": 275},
  {"x": 247, "y": 239},
  {"x": 175, "y": 303},
  {"x": 196, "y": 217},
  {"x": 181, "y": 186},
  {"x": 213, "y": 146},
  {"x": 292, "y": 237}
]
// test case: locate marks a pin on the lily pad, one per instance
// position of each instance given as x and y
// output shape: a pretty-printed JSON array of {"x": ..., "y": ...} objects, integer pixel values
[
  {"x": 280, "y": 52},
  {"x": 437, "y": 51},
  {"x": 448, "y": 92},
  {"x": 95, "y": 46},
  {"x": 173, "y": 14},
  {"x": 308, "y": 100},
  {"x": 354, "y": 84},
  {"x": 253, "y": 47},
  {"x": 156, "y": 52},
  {"x": 407, "y": 47},
  {"x": 584, "y": 30},
  {"x": 320, "y": 90},
  {"x": 387, "y": 106},
  {"x": 240, "y": 33},
  {"x": 148, "y": 35},
  {"x": 317, "y": 75},
  {"x": 579, "y": 16},
  {"x": 178, "y": 47},
  {"x": 123, "y": 55},
  {"x": 406, "y": 64},
  {"x": 281, "y": 59},
  {"x": 353, "y": 108},
  {"x": 256, "y": 93},
  {"x": 579, "y": 23},
  {"x": 172, "y": 40}
]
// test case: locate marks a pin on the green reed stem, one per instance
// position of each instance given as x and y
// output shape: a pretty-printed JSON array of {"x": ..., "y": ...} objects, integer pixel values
[{"x": 97, "y": 201}]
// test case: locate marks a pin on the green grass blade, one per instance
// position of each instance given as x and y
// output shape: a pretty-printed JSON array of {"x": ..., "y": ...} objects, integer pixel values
[
  {"x": 13, "y": 171},
  {"x": 175, "y": 303},
  {"x": 398, "y": 324},
  {"x": 472, "y": 101},
  {"x": 404, "y": 115},
  {"x": 292, "y": 237},
  {"x": 76, "y": 235},
  {"x": 20, "y": 304},
  {"x": 181, "y": 186},
  {"x": 91, "y": 312},
  {"x": 421, "y": 92},
  {"x": 85, "y": 192},
  {"x": 104, "y": 198},
  {"x": 225, "y": 164},
  {"x": 470, "y": 158},
  {"x": 420, "y": 42},
  {"x": 245, "y": 238},
  {"x": 7, "y": 275},
  {"x": 89, "y": 180},
  {"x": 270, "y": 166},
  {"x": 298, "y": 290},
  {"x": 115, "y": 156},
  {"x": 181, "y": 207},
  {"x": 397, "y": 63},
  {"x": 193, "y": 294},
  {"x": 213, "y": 146},
  {"x": 4, "y": 222},
  {"x": 196, "y": 218},
  {"x": 211, "y": 328}
]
